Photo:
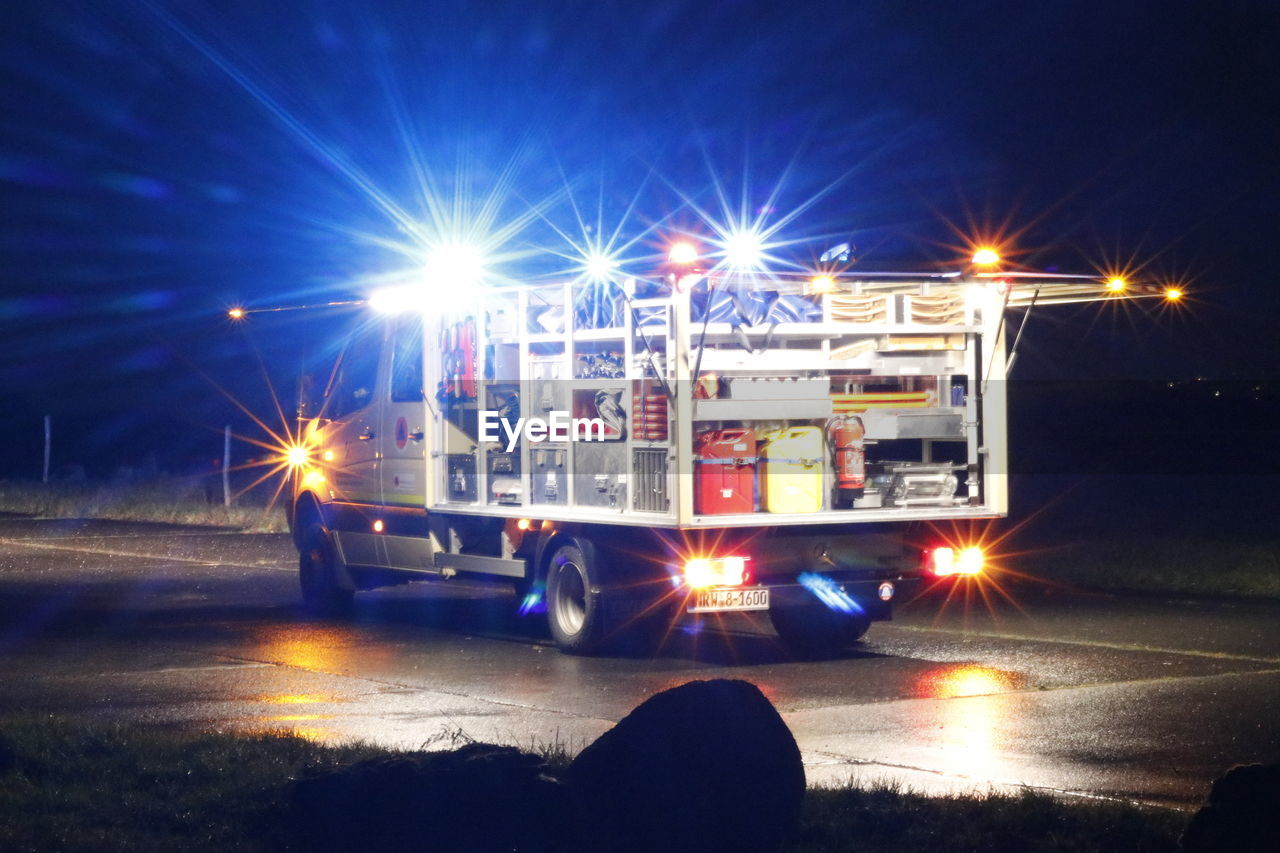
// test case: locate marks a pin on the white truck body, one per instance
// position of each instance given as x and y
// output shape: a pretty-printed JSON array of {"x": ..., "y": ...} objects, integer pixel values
[{"x": 416, "y": 470}]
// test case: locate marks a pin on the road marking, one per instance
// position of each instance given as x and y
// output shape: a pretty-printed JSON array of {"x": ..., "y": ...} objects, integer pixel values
[
  {"x": 1098, "y": 644},
  {"x": 976, "y": 783},
  {"x": 238, "y": 665},
  {"x": 81, "y": 534},
  {"x": 166, "y": 558}
]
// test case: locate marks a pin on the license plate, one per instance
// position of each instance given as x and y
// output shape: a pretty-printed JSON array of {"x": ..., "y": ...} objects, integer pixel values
[{"x": 721, "y": 600}]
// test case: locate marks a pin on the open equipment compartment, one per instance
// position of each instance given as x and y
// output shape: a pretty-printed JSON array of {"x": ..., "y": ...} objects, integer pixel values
[
  {"x": 728, "y": 443},
  {"x": 869, "y": 398}
]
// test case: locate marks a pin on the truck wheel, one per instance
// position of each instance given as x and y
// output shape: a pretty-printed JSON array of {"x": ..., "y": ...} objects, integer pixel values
[
  {"x": 575, "y": 613},
  {"x": 817, "y": 631},
  {"x": 317, "y": 574}
]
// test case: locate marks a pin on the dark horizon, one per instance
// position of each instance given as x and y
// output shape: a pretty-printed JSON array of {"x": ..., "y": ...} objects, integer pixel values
[{"x": 162, "y": 163}]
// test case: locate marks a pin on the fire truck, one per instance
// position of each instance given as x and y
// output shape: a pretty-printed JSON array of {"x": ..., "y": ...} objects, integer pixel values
[{"x": 631, "y": 453}]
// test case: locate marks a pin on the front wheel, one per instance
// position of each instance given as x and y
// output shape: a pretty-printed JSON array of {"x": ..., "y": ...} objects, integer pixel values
[
  {"x": 815, "y": 631},
  {"x": 574, "y": 611},
  {"x": 318, "y": 574}
]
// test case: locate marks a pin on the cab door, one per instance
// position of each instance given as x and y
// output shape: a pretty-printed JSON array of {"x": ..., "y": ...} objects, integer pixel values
[
  {"x": 354, "y": 409},
  {"x": 405, "y": 438},
  {"x": 404, "y": 418}
]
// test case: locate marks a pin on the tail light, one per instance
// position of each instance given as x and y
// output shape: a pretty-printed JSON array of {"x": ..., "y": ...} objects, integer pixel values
[
  {"x": 703, "y": 572},
  {"x": 945, "y": 561}
]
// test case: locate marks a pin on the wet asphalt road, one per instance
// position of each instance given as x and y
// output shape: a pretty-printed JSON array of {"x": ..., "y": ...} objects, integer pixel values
[{"x": 1140, "y": 698}]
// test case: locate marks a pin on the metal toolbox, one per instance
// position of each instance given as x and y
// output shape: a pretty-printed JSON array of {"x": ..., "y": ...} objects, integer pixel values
[
  {"x": 600, "y": 474},
  {"x": 461, "y": 482},
  {"x": 649, "y": 470},
  {"x": 548, "y": 475}
]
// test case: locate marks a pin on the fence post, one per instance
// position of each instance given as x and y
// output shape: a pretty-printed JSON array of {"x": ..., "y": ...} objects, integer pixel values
[
  {"x": 226, "y": 466},
  {"x": 48, "y": 445}
]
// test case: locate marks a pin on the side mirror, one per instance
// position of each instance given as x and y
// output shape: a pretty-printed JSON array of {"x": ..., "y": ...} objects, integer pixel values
[{"x": 307, "y": 407}]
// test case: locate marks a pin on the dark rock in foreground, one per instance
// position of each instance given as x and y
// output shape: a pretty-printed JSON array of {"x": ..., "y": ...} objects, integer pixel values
[
  {"x": 478, "y": 798},
  {"x": 706, "y": 766},
  {"x": 1242, "y": 814}
]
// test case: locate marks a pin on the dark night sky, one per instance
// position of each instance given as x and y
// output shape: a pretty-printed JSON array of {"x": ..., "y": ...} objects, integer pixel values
[{"x": 162, "y": 161}]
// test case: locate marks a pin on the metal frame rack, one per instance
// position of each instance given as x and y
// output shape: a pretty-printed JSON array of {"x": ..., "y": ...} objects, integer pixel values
[{"x": 907, "y": 327}]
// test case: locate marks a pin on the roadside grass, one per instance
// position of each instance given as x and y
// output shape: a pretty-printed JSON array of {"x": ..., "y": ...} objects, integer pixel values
[
  {"x": 166, "y": 500},
  {"x": 1198, "y": 564},
  {"x": 68, "y": 784},
  {"x": 886, "y": 818},
  {"x": 1193, "y": 565}
]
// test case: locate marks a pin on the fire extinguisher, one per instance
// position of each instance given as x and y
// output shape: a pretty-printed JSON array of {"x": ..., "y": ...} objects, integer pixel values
[
  {"x": 467, "y": 358},
  {"x": 448, "y": 381},
  {"x": 846, "y": 434}
]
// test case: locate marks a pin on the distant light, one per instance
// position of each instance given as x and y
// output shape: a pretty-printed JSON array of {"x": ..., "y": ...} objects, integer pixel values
[
  {"x": 378, "y": 526},
  {"x": 297, "y": 455},
  {"x": 822, "y": 284},
  {"x": 1173, "y": 294},
  {"x": 986, "y": 257},
  {"x": 455, "y": 264},
  {"x": 744, "y": 249},
  {"x": 1116, "y": 284},
  {"x": 683, "y": 253},
  {"x": 599, "y": 266},
  {"x": 236, "y": 313},
  {"x": 523, "y": 524},
  {"x": 328, "y": 456}
]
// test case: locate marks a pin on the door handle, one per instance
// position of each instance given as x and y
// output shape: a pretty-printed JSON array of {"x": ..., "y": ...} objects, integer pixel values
[
  {"x": 367, "y": 435},
  {"x": 417, "y": 435}
]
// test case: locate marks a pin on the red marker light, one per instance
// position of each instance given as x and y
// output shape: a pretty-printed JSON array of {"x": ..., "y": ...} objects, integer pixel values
[{"x": 946, "y": 561}]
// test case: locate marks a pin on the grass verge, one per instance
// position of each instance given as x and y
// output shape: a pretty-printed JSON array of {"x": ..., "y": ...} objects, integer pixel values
[
  {"x": 1192, "y": 565},
  {"x": 73, "y": 785},
  {"x": 1174, "y": 564},
  {"x": 166, "y": 500}
]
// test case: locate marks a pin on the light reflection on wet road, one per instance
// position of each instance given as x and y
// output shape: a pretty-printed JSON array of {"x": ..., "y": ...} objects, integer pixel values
[{"x": 1137, "y": 698}]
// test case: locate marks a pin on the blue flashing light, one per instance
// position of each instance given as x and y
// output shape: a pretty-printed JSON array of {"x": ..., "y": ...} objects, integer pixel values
[
  {"x": 829, "y": 593},
  {"x": 534, "y": 602}
]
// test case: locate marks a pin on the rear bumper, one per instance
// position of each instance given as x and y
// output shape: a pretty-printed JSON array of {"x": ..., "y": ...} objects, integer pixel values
[{"x": 860, "y": 595}]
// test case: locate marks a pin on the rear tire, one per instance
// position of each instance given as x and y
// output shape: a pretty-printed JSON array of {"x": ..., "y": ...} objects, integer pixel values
[
  {"x": 318, "y": 574},
  {"x": 817, "y": 631},
  {"x": 575, "y": 612}
]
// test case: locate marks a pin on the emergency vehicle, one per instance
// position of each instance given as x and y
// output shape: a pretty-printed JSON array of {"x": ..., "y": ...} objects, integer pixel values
[{"x": 626, "y": 451}]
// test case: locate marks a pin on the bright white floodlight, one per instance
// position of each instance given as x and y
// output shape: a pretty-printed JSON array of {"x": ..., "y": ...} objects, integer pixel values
[
  {"x": 743, "y": 250},
  {"x": 400, "y": 299},
  {"x": 454, "y": 265},
  {"x": 599, "y": 266}
]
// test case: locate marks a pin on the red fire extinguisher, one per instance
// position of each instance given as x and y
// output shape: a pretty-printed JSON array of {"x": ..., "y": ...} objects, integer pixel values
[
  {"x": 846, "y": 433},
  {"x": 467, "y": 357}
]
